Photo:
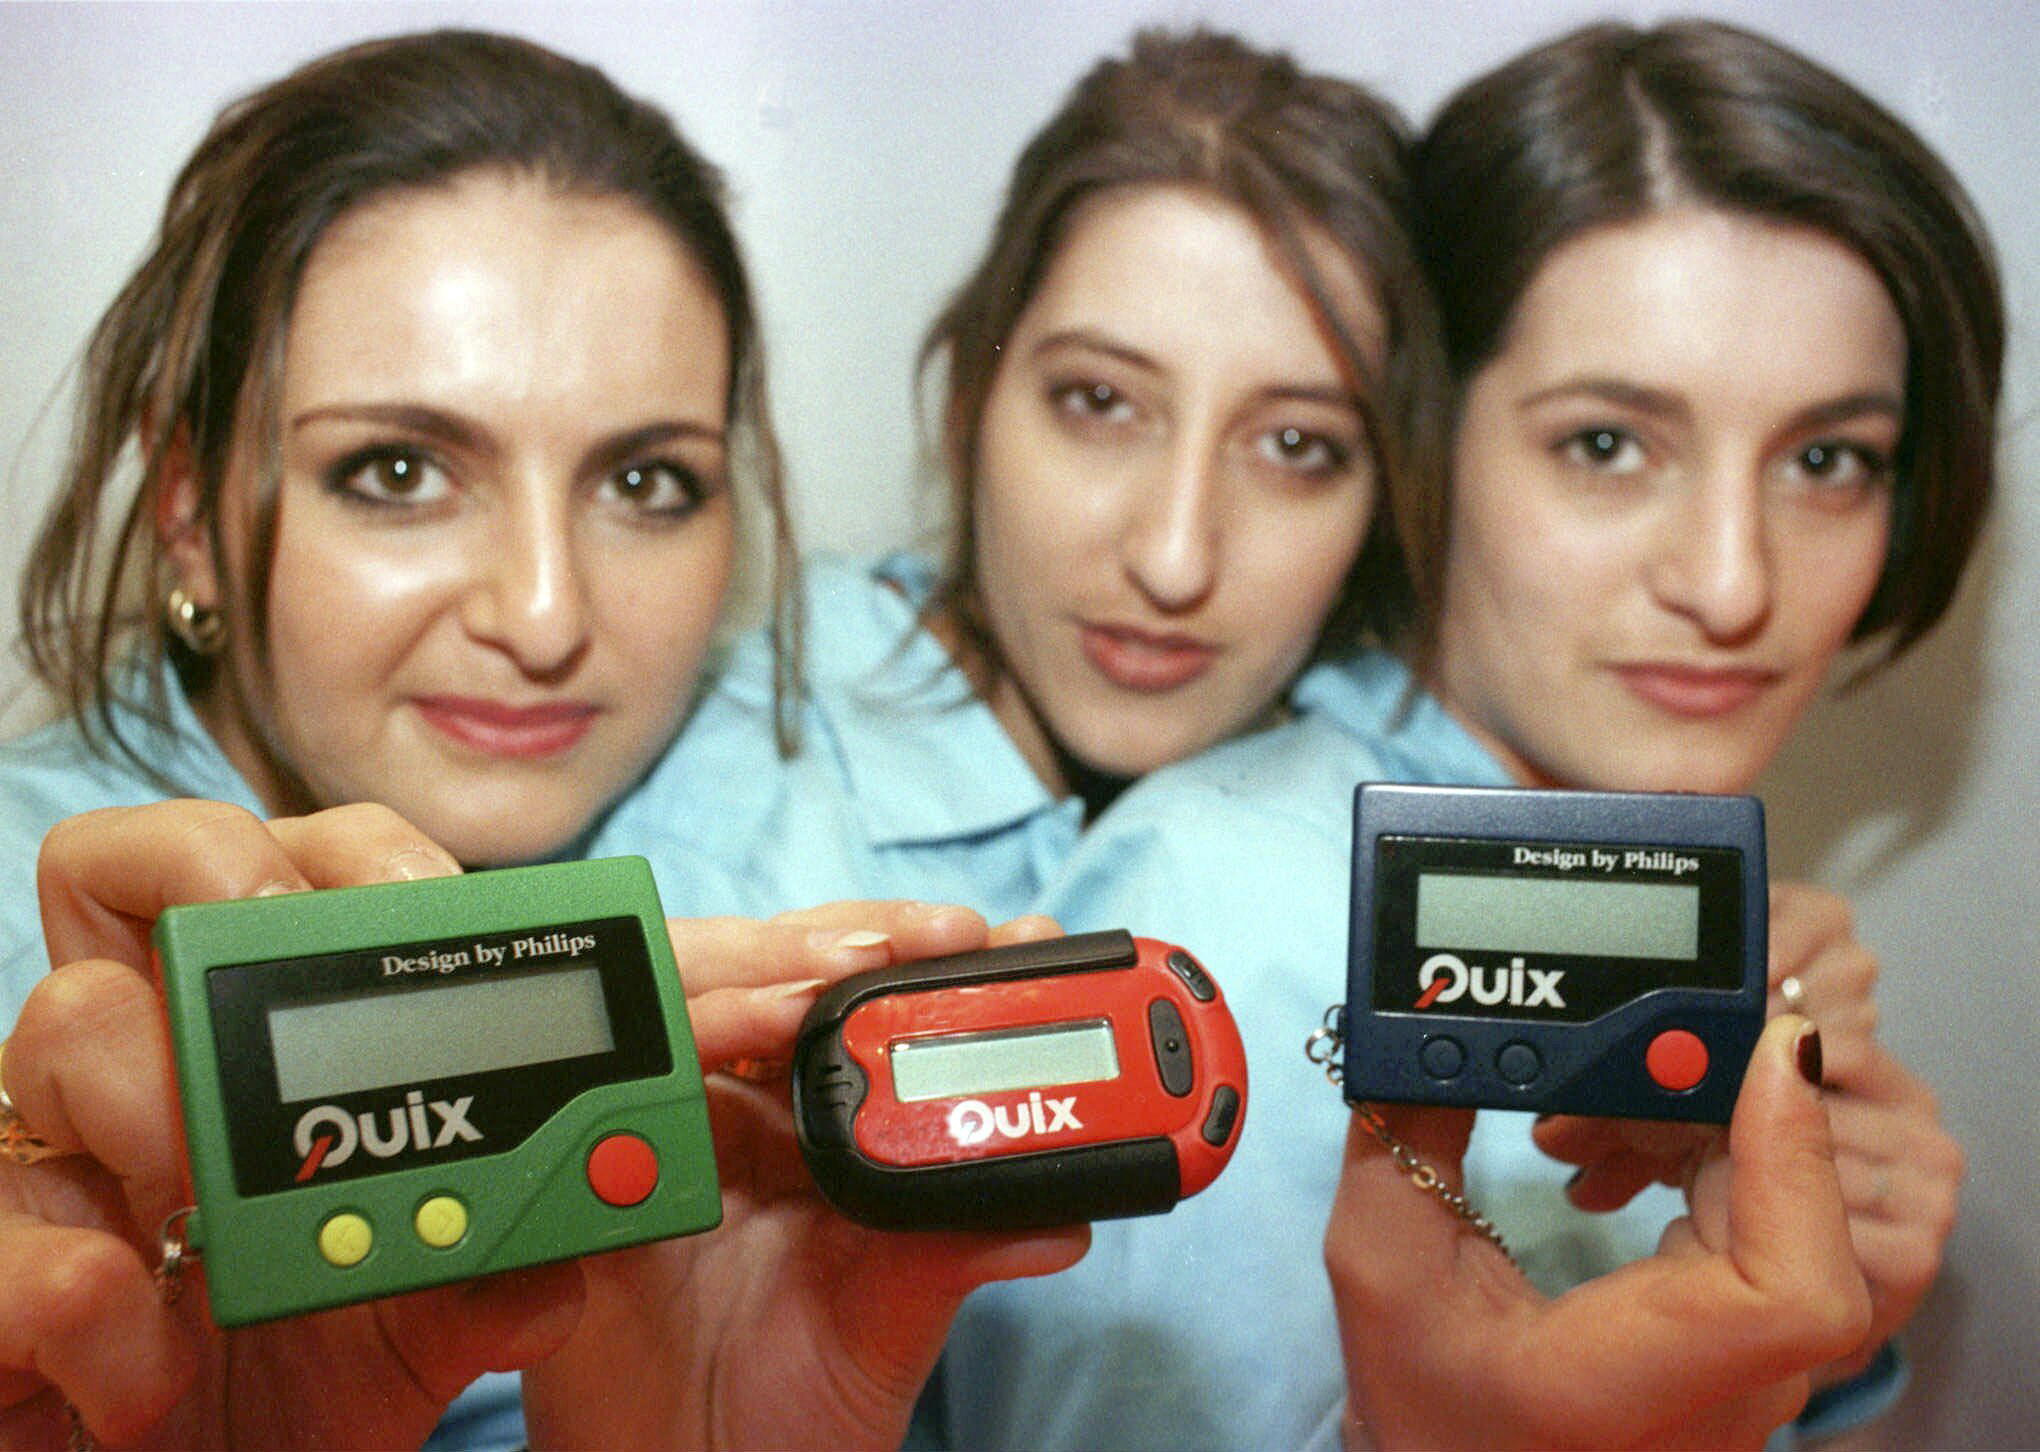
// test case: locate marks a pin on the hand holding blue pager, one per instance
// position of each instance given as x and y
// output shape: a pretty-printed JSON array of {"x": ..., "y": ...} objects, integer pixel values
[
  {"x": 1708, "y": 1343},
  {"x": 1900, "y": 1169}
]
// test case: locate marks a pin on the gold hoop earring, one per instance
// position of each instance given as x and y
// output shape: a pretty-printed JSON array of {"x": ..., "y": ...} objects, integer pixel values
[{"x": 200, "y": 627}]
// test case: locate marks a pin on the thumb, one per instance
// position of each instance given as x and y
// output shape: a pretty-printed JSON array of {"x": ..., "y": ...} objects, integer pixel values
[
  {"x": 921, "y": 1278},
  {"x": 1783, "y": 1295},
  {"x": 450, "y": 1335},
  {"x": 1788, "y": 1230}
]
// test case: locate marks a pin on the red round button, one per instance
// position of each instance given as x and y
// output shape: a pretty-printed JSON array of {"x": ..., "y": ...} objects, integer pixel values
[
  {"x": 622, "y": 1170},
  {"x": 1676, "y": 1059}
]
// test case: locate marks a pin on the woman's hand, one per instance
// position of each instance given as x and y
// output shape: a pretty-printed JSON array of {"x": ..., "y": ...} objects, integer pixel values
[
  {"x": 1707, "y": 1343},
  {"x": 89, "y": 1068},
  {"x": 789, "y": 1325},
  {"x": 1900, "y": 1170}
]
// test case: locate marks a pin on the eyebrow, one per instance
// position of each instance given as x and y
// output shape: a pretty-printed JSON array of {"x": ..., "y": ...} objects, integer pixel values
[
  {"x": 1086, "y": 338},
  {"x": 458, "y": 433},
  {"x": 1662, "y": 403}
]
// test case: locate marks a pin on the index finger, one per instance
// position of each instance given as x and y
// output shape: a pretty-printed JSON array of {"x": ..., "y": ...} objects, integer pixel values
[{"x": 104, "y": 877}]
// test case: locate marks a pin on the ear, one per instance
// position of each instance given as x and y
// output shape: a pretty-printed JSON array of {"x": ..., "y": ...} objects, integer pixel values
[{"x": 180, "y": 529}]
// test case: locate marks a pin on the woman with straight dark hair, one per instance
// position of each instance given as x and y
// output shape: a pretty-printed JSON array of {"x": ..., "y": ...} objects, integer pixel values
[{"x": 1727, "y": 340}]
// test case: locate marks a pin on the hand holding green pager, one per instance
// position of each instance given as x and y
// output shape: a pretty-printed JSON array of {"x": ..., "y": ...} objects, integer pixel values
[{"x": 89, "y": 1067}]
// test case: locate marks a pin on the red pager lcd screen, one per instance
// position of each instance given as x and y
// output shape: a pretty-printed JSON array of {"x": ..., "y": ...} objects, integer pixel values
[{"x": 1080, "y": 1078}]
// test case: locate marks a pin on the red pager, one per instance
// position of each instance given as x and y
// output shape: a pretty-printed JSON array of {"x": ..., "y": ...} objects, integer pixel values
[{"x": 1081, "y": 1078}]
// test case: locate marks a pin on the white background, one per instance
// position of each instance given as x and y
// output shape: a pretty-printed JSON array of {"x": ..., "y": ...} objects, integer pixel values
[{"x": 868, "y": 143}]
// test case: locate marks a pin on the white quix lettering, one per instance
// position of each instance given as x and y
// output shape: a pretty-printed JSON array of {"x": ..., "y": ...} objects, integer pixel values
[
  {"x": 973, "y": 1121},
  {"x": 1447, "y": 978},
  {"x": 328, "y": 1135}
]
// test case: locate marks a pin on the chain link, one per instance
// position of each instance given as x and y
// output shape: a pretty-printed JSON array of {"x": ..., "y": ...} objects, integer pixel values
[
  {"x": 169, "y": 1285},
  {"x": 1324, "y": 1047}
]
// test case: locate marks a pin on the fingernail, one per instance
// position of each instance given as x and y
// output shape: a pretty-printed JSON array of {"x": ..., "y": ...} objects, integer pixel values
[
  {"x": 797, "y": 989},
  {"x": 863, "y": 938},
  {"x": 273, "y": 888},
  {"x": 1808, "y": 1054},
  {"x": 414, "y": 864}
]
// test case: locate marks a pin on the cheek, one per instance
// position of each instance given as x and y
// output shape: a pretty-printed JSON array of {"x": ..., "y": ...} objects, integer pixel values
[
  {"x": 341, "y": 620},
  {"x": 664, "y": 609}
]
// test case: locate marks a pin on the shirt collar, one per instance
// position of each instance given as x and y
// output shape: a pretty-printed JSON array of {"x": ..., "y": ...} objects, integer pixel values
[
  {"x": 925, "y": 758},
  {"x": 1366, "y": 695}
]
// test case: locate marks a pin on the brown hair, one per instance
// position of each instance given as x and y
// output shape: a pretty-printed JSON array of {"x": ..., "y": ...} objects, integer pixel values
[
  {"x": 1300, "y": 154},
  {"x": 1609, "y": 123},
  {"x": 196, "y": 337}
]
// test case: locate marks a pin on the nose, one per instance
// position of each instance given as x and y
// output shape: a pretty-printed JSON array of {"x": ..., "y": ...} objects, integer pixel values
[
  {"x": 1170, "y": 545},
  {"x": 528, "y": 596},
  {"x": 1713, "y": 563}
]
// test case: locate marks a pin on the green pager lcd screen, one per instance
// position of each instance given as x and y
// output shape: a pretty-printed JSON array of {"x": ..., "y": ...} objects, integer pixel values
[{"x": 393, "y": 1087}]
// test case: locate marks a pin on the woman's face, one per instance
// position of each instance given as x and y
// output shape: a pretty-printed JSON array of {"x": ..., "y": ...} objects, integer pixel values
[
  {"x": 504, "y": 527},
  {"x": 1671, "y": 498},
  {"x": 1173, "y": 482}
]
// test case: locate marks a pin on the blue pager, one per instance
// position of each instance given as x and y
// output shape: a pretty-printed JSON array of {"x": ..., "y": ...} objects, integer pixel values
[{"x": 1597, "y": 953}]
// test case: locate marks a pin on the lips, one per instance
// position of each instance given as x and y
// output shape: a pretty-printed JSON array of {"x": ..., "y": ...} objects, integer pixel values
[
  {"x": 1143, "y": 660},
  {"x": 517, "y": 732},
  {"x": 1696, "y": 691}
]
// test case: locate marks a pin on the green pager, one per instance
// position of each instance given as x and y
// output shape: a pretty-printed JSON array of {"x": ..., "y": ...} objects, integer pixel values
[{"x": 399, "y": 1086}]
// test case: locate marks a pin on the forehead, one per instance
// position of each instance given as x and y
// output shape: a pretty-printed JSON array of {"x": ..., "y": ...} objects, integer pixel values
[
  {"x": 499, "y": 288},
  {"x": 1709, "y": 303},
  {"x": 1186, "y": 275}
]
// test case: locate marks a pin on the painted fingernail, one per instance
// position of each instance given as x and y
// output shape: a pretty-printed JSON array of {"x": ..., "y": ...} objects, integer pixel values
[{"x": 1808, "y": 1053}]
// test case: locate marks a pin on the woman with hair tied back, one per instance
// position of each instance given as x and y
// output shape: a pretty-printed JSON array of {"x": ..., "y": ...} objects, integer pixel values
[
  {"x": 429, "y": 412},
  {"x": 1157, "y": 517},
  {"x": 1727, "y": 339}
]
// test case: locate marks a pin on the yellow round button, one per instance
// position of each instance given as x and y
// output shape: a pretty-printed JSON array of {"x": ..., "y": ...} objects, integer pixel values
[
  {"x": 345, "y": 1239},
  {"x": 441, "y": 1221}
]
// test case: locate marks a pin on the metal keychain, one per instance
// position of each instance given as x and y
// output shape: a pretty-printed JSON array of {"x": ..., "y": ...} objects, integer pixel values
[{"x": 1326, "y": 1047}]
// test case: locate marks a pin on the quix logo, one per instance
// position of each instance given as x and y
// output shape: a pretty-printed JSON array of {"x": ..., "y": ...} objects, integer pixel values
[
  {"x": 327, "y": 1135},
  {"x": 973, "y": 1121},
  {"x": 1447, "y": 978}
]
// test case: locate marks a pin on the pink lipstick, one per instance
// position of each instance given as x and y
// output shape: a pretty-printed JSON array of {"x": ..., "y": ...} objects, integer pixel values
[{"x": 516, "y": 732}]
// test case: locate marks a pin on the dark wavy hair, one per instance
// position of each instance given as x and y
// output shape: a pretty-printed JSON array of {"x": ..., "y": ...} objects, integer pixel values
[{"x": 193, "y": 345}]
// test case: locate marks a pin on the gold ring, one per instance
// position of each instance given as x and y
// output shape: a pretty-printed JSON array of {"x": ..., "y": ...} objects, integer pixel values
[{"x": 18, "y": 1142}]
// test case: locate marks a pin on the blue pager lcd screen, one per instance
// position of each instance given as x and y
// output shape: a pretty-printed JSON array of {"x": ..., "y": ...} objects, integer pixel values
[{"x": 1577, "y": 952}]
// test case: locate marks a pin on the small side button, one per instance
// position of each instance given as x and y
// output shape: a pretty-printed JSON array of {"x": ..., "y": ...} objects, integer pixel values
[
  {"x": 1193, "y": 975},
  {"x": 1225, "y": 1109}
]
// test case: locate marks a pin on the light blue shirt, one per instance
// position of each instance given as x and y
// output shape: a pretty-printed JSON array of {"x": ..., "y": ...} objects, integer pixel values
[
  {"x": 1213, "y": 1326},
  {"x": 55, "y": 773},
  {"x": 904, "y": 785}
]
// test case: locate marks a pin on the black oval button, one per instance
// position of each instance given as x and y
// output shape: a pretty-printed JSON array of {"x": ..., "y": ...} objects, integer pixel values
[
  {"x": 1225, "y": 1108},
  {"x": 1172, "y": 1047}
]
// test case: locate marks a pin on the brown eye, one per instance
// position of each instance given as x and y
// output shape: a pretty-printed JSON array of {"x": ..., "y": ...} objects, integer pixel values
[
  {"x": 391, "y": 477},
  {"x": 1602, "y": 450},
  {"x": 1303, "y": 450},
  {"x": 660, "y": 488},
  {"x": 1091, "y": 401}
]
